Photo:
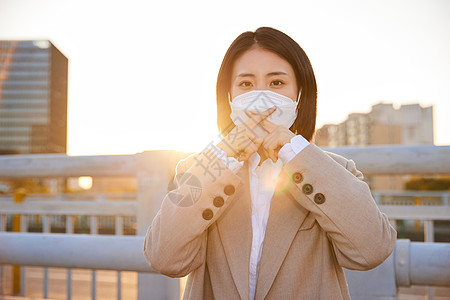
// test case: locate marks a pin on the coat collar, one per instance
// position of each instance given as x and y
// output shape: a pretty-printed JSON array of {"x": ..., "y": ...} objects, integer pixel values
[{"x": 235, "y": 230}]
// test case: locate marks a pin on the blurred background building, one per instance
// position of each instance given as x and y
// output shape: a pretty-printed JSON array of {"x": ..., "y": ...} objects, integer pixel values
[
  {"x": 410, "y": 124},
  {"x": 33, "y": 98},
  {"x": 384, "y": 125}
]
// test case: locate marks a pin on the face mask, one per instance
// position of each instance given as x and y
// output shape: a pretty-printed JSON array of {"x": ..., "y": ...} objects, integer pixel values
[{"x": 261, "y": 100}]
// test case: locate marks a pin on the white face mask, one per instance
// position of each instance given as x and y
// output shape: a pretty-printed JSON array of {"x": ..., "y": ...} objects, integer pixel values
[{"x": 261, "y": 100}]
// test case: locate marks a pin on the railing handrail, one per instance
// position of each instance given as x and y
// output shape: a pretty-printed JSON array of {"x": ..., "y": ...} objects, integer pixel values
[
  {"x": 416, "y": 212},
  {"x": 97, "y": 208},
  {"x": 129, "y": 208},
  {"x": 398, "y": 159},
  {"x": 88, "y": 252},
  {"x": 84, "y": 251},
  {"x": 132, "y": 195},
  {"x": 410, "y": 193},
  {"x": 62, "y": 165},
  {"x": 422, "y": 159},
  {"x": 75, "y": 195}
]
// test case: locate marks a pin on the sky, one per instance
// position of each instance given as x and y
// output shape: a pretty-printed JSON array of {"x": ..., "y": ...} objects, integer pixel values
[{"x": 142, "y": 74}]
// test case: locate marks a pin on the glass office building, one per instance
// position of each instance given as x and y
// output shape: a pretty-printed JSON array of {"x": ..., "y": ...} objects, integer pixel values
[{"x": 33, "y": 98}]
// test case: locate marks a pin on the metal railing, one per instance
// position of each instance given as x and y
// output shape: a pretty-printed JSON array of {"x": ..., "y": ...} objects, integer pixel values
[
  {"x": 83, "y": 251},
  {"x": 122, "y": 214},
  {"x": 411, "y": 197},
  {"x": 154, "y": 170},
  {"x": 119, "y": 210},
  {"x": 70, "y": 211}
]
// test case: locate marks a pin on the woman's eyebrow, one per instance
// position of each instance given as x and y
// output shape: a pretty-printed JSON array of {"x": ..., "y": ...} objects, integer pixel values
[
  {"x": 268, "y": 74},
  {"x": 245, "y": 75},
  {"x": 276, "y": 73}
]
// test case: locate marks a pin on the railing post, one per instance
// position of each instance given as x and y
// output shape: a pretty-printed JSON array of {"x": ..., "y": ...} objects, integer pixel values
[
  {"x": 445, "y": 198},
  {"x": 428, "y": 228},
  {"x": 153, "y": 175},
  {"x": 377, "y": 197},
  {"x": 93, "y": 227},
  {"x": 46, "y": 228},
  {"x": 2, "y": 278},
  {"x": 69, "y": 230},
  {"x": 119, "y": 231},
  {"x": 18, "y": 226}
]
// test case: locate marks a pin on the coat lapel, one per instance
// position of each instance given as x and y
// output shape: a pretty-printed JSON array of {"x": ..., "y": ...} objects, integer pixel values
[
  {"x": 285, "y": 218},
  {"x": 235, "y": 230}
]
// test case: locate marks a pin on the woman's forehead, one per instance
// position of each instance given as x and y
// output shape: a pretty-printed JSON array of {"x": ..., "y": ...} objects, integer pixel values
[{"x": 260, "y": 61}]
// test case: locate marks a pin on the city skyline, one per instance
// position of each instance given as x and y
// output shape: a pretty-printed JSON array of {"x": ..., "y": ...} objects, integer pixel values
[{"x": 142, "y": 77}]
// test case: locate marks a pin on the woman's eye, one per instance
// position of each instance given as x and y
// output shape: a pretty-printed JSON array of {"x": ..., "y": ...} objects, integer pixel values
[
  {"x": 245, "y": 84},
  {"x": 276, "y": 83}
]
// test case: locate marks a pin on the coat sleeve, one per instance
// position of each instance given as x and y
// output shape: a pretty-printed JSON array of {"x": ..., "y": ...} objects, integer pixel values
[
  {"x": 175, "y": 243},
  {"x": 342, "y": 204}
]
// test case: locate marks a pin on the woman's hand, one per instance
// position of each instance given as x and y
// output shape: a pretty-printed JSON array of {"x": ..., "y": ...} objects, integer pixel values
[
  {"x": 244, "y": 140},
  {"x": 277, "y": 137}
]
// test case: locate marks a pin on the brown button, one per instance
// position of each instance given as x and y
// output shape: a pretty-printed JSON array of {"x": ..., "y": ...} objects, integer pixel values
[
  {"x": 218, "y": 201},
  {"x": 307, "y": 189},
  {"x": 297, "y": 177},
  {"x": 207, "y": 214},
  {"x": 319, "y": 198},
  {"x": 229, "y": 190}
]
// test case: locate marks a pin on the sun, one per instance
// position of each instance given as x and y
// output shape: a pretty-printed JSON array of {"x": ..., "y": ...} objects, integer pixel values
[{"x": 85, "y": 182}]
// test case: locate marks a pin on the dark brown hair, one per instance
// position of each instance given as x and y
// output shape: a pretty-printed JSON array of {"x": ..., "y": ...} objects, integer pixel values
[{"x": 284, "y": 46}]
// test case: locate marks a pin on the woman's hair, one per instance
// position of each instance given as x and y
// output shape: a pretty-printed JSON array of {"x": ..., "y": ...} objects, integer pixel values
[{"x": 277, "y": 42}]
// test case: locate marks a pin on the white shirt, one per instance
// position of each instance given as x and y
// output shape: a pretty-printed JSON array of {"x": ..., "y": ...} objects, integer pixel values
[
  {"x": 262, "y": 185},
  {"x": 262, "y": 181}
]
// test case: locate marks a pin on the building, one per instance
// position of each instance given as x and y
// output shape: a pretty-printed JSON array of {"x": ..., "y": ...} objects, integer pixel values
[
  {"x": 384, "y": 125},
  {"x": 33, "y": 98},
  {"x": 410, "y": 124}
]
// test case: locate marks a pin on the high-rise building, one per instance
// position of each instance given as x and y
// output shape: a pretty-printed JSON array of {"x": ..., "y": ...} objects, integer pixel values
[
  {"x": 33, "y": 98},
  {"x": 384, "y": 125}
]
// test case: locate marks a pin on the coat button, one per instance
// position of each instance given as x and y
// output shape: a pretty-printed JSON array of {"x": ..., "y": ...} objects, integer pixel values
[
  {"x": 319, "y": 198},
  {"x": 229, "y": 190},
  {"x": 307, "y": 189},
  {"x": 207, "y": 214},
  {"x": 218, "y": 201},
  {"x": 297, "y": 177}
]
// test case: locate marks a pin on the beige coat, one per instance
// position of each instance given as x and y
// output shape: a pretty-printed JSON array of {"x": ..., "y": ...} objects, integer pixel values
[{"x": 322, "y": 218}]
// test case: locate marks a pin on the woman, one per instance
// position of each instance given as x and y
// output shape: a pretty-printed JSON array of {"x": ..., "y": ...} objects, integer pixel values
[{"x": 264, "y": 214}]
